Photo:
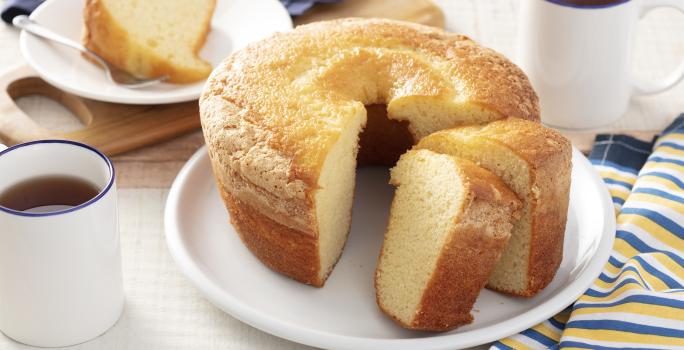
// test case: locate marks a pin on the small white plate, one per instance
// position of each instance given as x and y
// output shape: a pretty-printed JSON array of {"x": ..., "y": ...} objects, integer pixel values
[
  {"x": 235, "y": 24},
  {"x": 343, "y": 314}
]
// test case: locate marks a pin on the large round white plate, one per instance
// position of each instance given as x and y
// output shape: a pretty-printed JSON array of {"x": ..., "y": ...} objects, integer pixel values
[
  {"x": 343, "y": 314},
  {"x": 235, "y": 24}
]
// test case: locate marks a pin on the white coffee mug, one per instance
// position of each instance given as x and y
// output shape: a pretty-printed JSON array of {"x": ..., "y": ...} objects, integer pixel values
[
  {"x": 578, "y": 58},
  {"x": 60, "y": 271}
]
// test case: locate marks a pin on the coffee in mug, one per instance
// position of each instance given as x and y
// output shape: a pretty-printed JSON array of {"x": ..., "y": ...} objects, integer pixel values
[
  {"x": 48, "y": 193},
  {"x": 577, "y": 54},
  {"x": 580, "y": 3}
]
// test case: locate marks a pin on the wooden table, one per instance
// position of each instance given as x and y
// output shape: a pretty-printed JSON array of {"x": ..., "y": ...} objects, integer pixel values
[{"x": 164, "y": 311}]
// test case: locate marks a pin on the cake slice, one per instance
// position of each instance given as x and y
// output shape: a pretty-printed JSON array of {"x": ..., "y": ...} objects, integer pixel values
[
  {"x": 448, "y": 224},
  {"x": 535, "y": 162},
  {"x": 150, "y": 38}
]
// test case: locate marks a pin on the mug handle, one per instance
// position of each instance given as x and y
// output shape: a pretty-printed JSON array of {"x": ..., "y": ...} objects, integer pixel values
[{"x": 648, "y": 87}]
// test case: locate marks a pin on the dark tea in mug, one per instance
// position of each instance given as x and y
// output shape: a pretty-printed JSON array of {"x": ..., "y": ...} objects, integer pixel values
[
  {"x": 48, "y": 193},
  {"x": 588, "y": 3}
]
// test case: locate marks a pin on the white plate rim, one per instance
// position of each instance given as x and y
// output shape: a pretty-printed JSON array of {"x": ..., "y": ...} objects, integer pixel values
[
  {"x": 160, "y": 98},
  {"x": 268, "y": 324}
]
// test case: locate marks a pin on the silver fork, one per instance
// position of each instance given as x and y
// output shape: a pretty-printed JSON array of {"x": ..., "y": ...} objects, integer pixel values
[{"x": 114, "y": 74}]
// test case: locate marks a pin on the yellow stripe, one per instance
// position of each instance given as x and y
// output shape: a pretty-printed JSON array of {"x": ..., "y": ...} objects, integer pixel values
[
  {"x": 668, "y": 137},
  {"x": 656, "y": 283},
  {"x": 674, "y": 135},
  {"x": 615, "y": 294},
  {"x": 547, "y": 331},
  {"x": 656, "y": 231},
  {"x": 627, "y": 273},
  {"x": 562, "y": 317},
  {"x": 619, "y": 192},
  {"x": 515, "y": 344},
  {"x": 627, "y": 337},
  {"x": 614, "y": 270},
  {"x": 673, "y": 267},
  {"x": 653, "y": 165},
  {"x": 665, "y": 182},
  {"x": 635, "y": 308},
  {"x": 615, "y": 176},
  {"x": 670, "y": 151},
  {"x": 624, "y": 248},
  {"x": 654, "y": 199}
]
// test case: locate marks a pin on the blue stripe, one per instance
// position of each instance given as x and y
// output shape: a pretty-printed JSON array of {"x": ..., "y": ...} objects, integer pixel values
[
  {"x": 667, "y": 176},
  {"x": 659, "y": 193},
  {"x": 500, "y": 345},
  {"x": 658, "y": 218},
  {"x": 658, "y": 159},
  {"x": 596, "y": 294},
  {"x": 644, "y": 299},
  {"x": 635, "y": 242},
  {"x": 618, "y": 200},
  {"x": 617, "y": 182},
  {"x": 603, "y": 277},
  {"x": 576, "y": 344},
  {"x": 674, "y": 256},
  {"x": 614, "y": 165},
  {"x": 671, "y": 144},
  {"x": 615, "y": 262},
  {"x": 674, "y": 291},
  {"x": 671, "y": 283},
  {"x": 625, "y": 326},
  {"x": 556, "y": 324},
  {"x": 644, "y": 248},
  {"x": 675, "y": 127},
  {"x": 531, "y": 333}
]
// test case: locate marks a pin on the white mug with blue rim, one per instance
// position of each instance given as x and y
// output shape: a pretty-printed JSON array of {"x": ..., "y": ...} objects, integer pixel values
[
  {"x": 577, "y": 54},
  {"x": 60, "y": 271}
]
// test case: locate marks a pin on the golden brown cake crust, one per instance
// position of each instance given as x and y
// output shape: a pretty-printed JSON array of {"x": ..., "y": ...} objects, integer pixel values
[
  {"x": 272, "y": 111},
  {"x": 462, "y": 271},
  {"x": 548, "y": 155},
  {"x": 470, "y": 253},
  {"x": 104, "y": 36},
  {"x": 279, "y": 247},
  {"x": 270, "y": 86}
]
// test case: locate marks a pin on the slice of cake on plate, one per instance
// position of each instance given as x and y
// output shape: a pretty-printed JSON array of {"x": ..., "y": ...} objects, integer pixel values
[
  {"x": 449, "y": 222},
  {"x": 150, "y": 38}
]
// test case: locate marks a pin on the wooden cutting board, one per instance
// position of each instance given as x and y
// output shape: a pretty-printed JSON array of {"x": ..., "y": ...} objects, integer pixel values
[
  {"x": 116, "y": 128},
  {"x": 419, "y": 11},
  {"x": 113, "y": 128}
]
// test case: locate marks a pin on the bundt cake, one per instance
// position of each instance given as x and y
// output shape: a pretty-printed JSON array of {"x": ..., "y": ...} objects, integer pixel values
[
  {"x": 150, "y": 38},
  {"x": 535, "y": 162},
  {"x": 282, "y": 120},
  {"x": 449, "y": 221}
]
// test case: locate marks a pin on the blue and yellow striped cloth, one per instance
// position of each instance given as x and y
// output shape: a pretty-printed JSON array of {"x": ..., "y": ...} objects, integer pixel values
[{"x": 638, "y": 300}]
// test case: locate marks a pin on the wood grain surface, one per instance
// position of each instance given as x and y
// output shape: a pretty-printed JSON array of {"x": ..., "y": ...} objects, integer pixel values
[
  {"x": 419, "y": 11},
  {"x": 113, "y": 128}
]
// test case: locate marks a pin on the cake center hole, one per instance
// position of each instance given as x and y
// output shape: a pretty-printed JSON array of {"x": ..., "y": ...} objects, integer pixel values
[{"x": 383, "y": 140}]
